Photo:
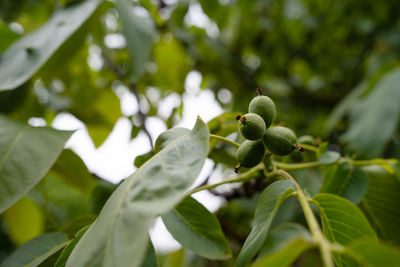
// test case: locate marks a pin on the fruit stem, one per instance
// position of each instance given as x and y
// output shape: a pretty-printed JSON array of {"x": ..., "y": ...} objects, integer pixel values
[
  {"x": 224, "y": 140},
  {"x": 243, "y": 177},
  {"x": 259, "y": 91},
  {"x": 297, "y": 166},
  {"x": 308, "y": 147}
]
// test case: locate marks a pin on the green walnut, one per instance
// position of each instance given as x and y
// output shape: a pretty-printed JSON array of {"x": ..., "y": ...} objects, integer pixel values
[
  {"x": 250, "y": 153},
  {"x": 168, "y": 136},
  {"x": 280, "y": 140},
  {"x": 265, "y": 107},
  {"x": 251, "y": 126}
]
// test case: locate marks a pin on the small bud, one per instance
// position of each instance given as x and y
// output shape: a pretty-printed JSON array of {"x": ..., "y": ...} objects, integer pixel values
[
  {"x": 238, "y": 117},
  {"x": 237, "y": 167},
  {"x": 243, "y": 119},
  {"x": 299, "y": 148},
  {"x": 259, "y": 91}
]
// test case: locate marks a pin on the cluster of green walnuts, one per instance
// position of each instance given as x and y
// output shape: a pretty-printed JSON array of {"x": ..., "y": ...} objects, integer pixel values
[{"x": 262, "y": 140}]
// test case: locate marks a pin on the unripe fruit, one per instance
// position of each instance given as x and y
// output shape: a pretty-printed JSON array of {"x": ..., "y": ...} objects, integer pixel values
[
  {"x": 251, "y": 126},
  {"x": 250, "y": 153},
  {"x": 280, "y": 140},
  {"x": 265, "y": 107},
  {"x": 168, "y": 136}
]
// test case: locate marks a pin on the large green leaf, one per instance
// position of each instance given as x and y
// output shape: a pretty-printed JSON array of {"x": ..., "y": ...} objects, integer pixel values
[
  {"x": 381, "y": 204},
  {"x": 139, "y": 32},
  {"x": 26, "y": 154},
  {"x": 375, "y": 118},
  {"x": 285, "y": 256},
  {"x": 24, "y": 220},
  {"x": 36, "y": 251},
  {"x": 119, "y": 236},
  {"x": 195, "y": 228},
  {"x": 281, "y": 236},
  {"x": 342, "y": 221},
  {"x": 22, "y": 59},
  {"x": 370, "y": 253},
  {"x": 270, "y": 200},
  {"x": 345, "y": 180}
]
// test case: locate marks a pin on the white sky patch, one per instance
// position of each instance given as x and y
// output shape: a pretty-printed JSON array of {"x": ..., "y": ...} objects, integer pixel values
[
  {"x": 167, "y": 104},
  {"x": 195, "y": 16},
  {"x": 115, "y": 41},
  {"x": 94, "y": 59}
]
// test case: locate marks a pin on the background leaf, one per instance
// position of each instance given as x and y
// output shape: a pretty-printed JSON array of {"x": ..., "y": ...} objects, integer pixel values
[
  {"x": 26, "y": 154},
  {"x": 373, "y": 254},
  {"x": 375, "y": 118},
  {"x": 345, "y": 180},
  {"x": 24, "y": 220},
  {"x": 139, "y": 32},
  {"x": 36, "y": 251},
  {"x": 381, "y": 204},
  {"x": 152, "y": 190},
  {"x": 195, "y": 228},
  {"x": 270, "y": 200},
  {"x": 28, "y": 54}
]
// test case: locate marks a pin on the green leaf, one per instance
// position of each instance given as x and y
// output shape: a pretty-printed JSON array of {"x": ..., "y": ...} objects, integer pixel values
[
  {"x": 370, "y": 253},
  {"x": 74, "y": 226},
  {"x": 107, "y": 110},
  {"x": 172, "y": 64},
  {"x": 270, "y": 200},
  {"x": 169, "y": 136},
  {"x": 139, "y": 32},
  {"x": 150, "y": 260},
  {"x": 63, "y": 201},
  {"x": 62, "y": 260},
  {"x": 24, "y": 220},
  {"x": 325, "y": 156},
  {"x": 155, "y": 188},
  {"x": 345, "y": 180},
  {"x": 342, "y": 221},
  {"x": 22, "y": 59},
  {"x": 281, "y": 236},
  {"x": 195, "y": 228},
  {"x": 285, "y": 256},
  {"x": 73, "y": 171},
  {"x": 26, "y": 154},
  {"x": 141, "y": 159},
  {"x": 381, "y": 203},
  {"x": 36, "y": 251},
  {"x": 374, "y": 120}
]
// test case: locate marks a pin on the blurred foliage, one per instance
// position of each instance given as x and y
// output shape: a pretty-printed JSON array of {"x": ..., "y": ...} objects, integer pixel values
[{"x": 332, "y": 68}]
